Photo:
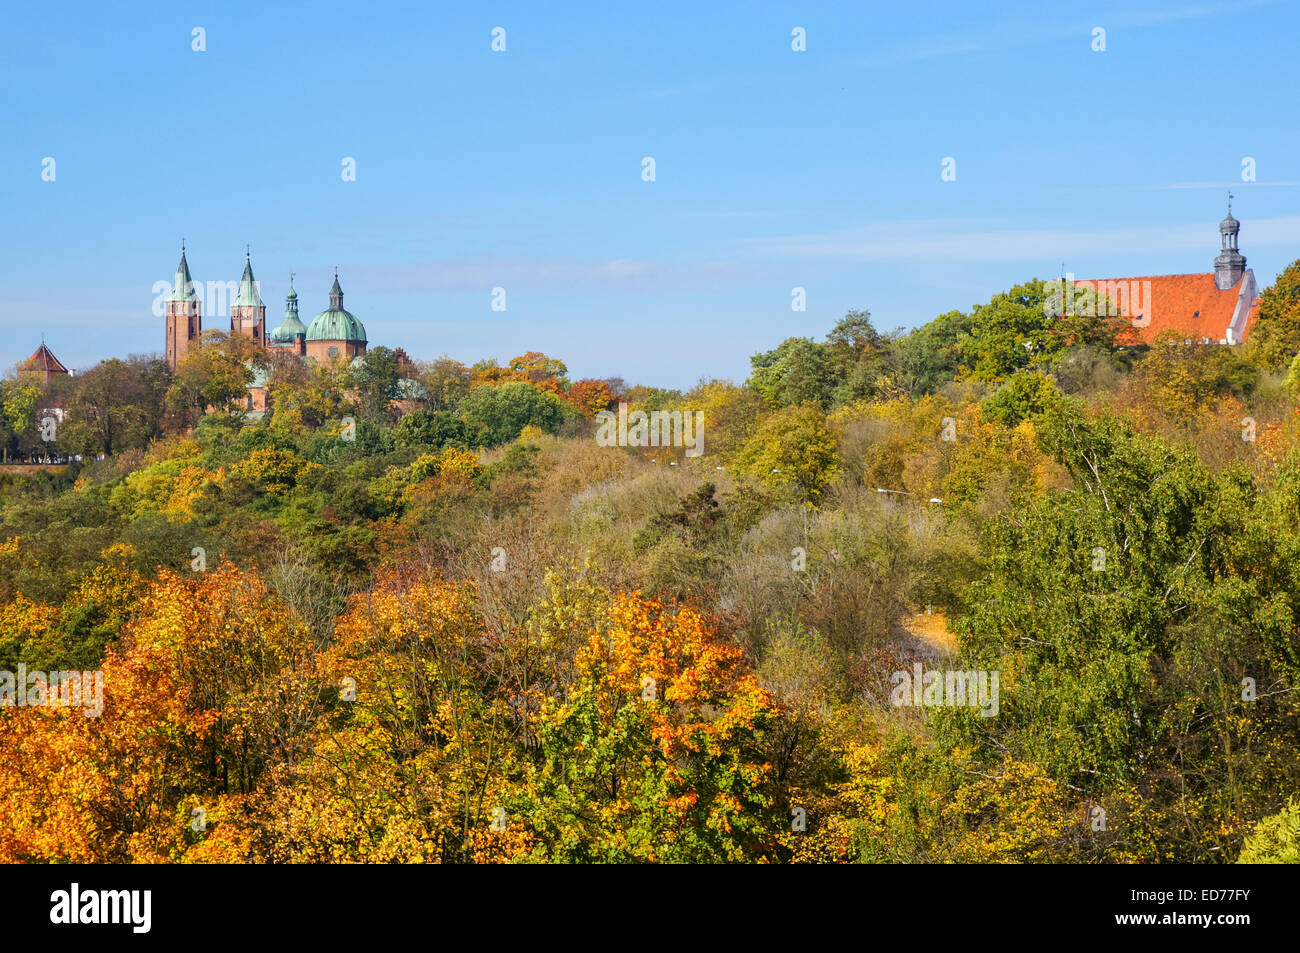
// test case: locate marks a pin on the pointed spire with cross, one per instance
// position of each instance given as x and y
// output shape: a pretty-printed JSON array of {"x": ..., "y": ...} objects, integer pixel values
[{"x": 336, "y": 293}]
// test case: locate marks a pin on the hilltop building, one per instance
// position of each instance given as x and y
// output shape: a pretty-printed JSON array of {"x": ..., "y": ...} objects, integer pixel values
[
  {"x": 42, "y": 367},
  {"x": 291, "y": 334},
  {"x": 184, "y": 316},
  {"x": 1217, "y": 306},
  {"x": 334, "y": 334}
]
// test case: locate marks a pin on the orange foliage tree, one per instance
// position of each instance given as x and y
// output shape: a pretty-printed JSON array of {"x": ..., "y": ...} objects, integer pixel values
[
  {"x": 590, "y": 396},
  {"x": 653, "y": 755}
]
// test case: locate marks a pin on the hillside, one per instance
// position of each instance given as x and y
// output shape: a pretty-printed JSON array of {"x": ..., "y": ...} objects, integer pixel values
[{"x": 461, "y": 628}]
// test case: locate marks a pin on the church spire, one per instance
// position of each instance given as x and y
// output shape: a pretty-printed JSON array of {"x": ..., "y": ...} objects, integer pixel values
[
  {"x": 336, "y": 294},
  {"x": 184, "y": 318},
  {"x": 1231, "y": 263},
  {"x": 183, "y": 287},
  {"x": 248, "y": 295}
]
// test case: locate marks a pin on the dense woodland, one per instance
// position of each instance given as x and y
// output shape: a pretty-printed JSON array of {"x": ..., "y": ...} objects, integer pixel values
[{"x": 442, "y": 624}]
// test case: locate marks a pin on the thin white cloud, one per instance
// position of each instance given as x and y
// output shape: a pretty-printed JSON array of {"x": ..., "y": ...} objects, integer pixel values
[
  {"x": 1013, "y": 34},
  {"x": 941, "y": 241}
]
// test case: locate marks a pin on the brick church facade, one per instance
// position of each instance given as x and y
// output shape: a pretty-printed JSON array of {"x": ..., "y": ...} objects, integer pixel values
[{"x": 334, "y": 335}]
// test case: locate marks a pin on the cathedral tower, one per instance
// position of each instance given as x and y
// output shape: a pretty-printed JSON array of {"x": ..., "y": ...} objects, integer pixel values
[
  {"x": 248, "y": 314},
  {"x": 335, "y": 334},
  {"x": 291, "y": 332},
  {"x": 184, "y": 316}
]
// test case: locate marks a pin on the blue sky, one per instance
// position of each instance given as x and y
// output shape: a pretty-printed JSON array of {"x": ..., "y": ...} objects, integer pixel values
[{"x": 523, "y": 169}]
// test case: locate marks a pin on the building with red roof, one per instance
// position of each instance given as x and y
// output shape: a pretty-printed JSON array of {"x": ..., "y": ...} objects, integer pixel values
[
  {"x": 43, "y": 364},
  {"x": 1217, "y": 306}
]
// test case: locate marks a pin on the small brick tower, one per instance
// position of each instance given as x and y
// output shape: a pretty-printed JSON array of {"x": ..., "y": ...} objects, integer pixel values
[
  {"x": 184, "y": 316},
  {"x": 248, "y": 314}
]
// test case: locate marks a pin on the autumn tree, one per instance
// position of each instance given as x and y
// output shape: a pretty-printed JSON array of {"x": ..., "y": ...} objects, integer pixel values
[
  {"x": 1276, "y": 839},
  {"x": 488, "y": 371},
  {"x": 1182, "y": 377},
  {"x": 304, "y": 397},
  {"x": 653, "y": 754},
  {"x": 104, "y": 789},
  {"x": 216, "y": 375},
  {"x": 590, "y": 397},
  {"x": 1274, "y": 338},
  {"x": 539, "y": 369},
  {"x": 793, "y": 447},
  {"x": 115, "y": 405},
  {"x": 411, "y": 762},
  {"x": 446, "y": 381}
]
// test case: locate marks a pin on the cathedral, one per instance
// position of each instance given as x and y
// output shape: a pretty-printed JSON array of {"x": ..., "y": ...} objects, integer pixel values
[{"x": 333, "y": 335}]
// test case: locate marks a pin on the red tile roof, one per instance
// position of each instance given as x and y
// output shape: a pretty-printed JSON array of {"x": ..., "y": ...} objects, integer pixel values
[
  {"x": 44, "y": 360},
  {"x": 1192, "y": 305}
]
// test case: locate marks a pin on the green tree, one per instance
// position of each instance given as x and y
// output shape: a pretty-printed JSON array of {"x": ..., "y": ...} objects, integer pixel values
[
  {"x": 1026, "y": 395},
  {"x": 793, "y": 447},
  {"x": 1125, "y": 618},
  {"x": 863, "y": 355},
  {"x": 1018, "y": 329},
  {"x": 113, "y": 406},
  {"x": 1274, "y": 339},
  {"x": 18, "y": 400},
  {"x": 929, "y": 357},
  {"x": 496, "y": 414},
  {"x": 1276, "y": 839},
  {"x": 433, "y": 428},
  {"x": 374, "y": 376},
  {"x": 799, "y": 370}
]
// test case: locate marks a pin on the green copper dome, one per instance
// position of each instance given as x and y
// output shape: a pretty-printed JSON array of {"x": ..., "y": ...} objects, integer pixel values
[
  {"x": 336, "y": 324},
  {"x": 290, "y": 327}
]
